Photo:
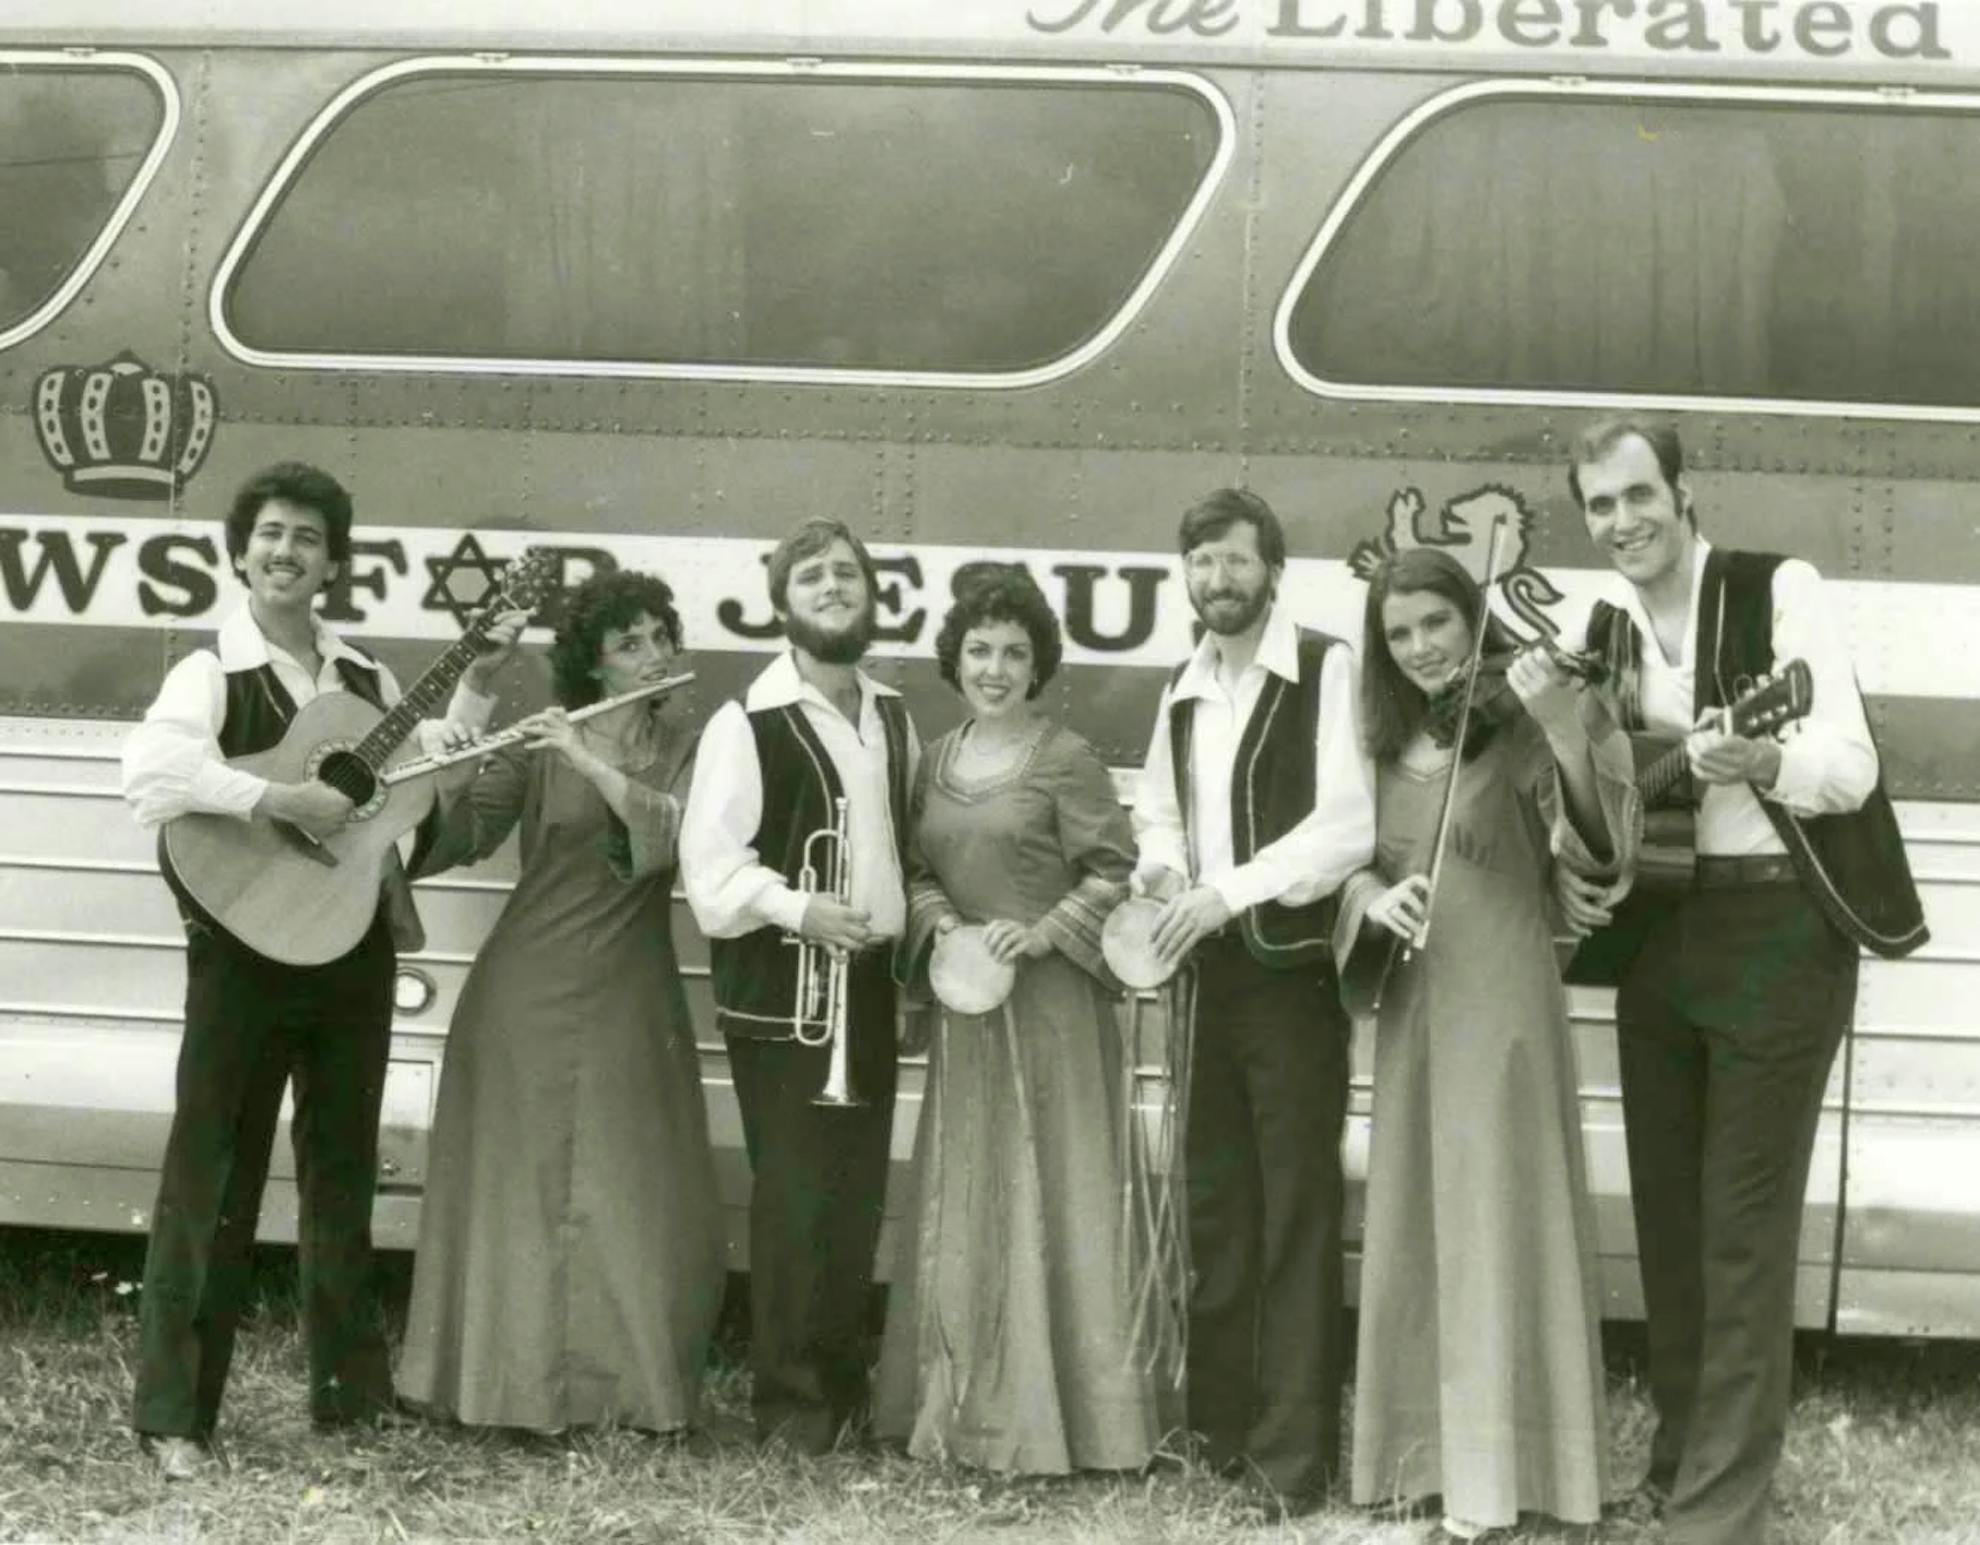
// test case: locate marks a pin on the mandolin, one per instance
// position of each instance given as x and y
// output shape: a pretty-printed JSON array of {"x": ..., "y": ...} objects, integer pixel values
[
  {"x": 1668, "y": 855},
  {"x": 286, "y": 895}
]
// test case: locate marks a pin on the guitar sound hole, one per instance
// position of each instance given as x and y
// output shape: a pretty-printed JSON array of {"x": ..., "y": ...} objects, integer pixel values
[{"x": 348, "y": 775}]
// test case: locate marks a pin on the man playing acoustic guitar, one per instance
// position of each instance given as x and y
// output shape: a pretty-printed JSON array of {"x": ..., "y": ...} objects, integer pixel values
[
  {"x": 1730, "y": 1011},
  {"x": 252, "y": 1023}
]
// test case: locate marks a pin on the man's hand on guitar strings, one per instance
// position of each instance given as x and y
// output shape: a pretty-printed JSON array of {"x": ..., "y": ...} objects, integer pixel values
[
  {"x": 1718, "y": 757},
  {"x": 313, "y": 808}
]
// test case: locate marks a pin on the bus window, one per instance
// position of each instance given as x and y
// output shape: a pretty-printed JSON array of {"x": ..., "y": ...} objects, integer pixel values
[
  {"x": 894, "y": 225},
  {"x": 72, "y": 142},
  {"x": 1797, "y": 251}
]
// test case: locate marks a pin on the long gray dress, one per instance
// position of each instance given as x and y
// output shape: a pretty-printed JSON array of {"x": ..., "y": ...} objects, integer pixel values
[
  {"x": 1479, "y": 1370},
  {"x": 569, "y": 1267},
  {"x": 1018, "y": 1336}
]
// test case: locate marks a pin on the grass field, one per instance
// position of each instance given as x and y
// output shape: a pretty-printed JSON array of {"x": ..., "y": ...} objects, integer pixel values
[{"x": 1885, "y": 1446}]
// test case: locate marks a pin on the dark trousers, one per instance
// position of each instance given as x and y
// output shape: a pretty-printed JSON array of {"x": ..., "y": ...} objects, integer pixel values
[
  {"x": 252, "y": 1025},
  {"x": 1728, "y": 1022},
  {"x": 814, "y": 1215},
  {"x": 1267, "y": 1100}
]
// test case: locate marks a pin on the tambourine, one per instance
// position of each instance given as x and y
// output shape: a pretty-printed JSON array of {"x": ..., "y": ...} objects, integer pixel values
[
  {"x": 1126, "y": 944},
  {"x": 966, "y": 977}
]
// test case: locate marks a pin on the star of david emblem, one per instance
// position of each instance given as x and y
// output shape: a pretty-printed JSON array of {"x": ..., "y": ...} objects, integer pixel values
[{"x": 446, "y": 594}]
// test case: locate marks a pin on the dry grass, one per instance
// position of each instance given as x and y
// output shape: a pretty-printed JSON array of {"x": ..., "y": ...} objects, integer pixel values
[{"x": 1885, "y": 1446}]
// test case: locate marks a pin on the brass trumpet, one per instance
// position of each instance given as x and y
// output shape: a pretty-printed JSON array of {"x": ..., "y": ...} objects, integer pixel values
[{"x": 822, "y": 977}]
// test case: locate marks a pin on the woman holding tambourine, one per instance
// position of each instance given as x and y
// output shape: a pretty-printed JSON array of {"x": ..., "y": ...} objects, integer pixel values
[{"x": 1011, "y": 1339}]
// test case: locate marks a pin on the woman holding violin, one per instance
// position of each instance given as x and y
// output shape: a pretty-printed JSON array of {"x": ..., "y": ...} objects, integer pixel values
[
  {"x": 1480, "y": 1372},
  {"x": 1013, "y": 1340}
]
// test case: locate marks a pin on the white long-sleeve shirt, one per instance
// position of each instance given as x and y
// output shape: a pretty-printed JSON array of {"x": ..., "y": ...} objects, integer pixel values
[
  {"x": 1828, "y": 761},
  {"x": 1333, "y": 840},
  {"x": 730, "y": 888},
  {"x": 172, "y": 763}
]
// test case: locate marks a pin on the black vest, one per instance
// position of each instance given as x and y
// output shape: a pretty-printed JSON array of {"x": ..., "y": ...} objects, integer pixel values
[
  {"x": 1853, "y": 864},
  {"x": 1273, "y": 785},
  {"x": 259, "y": 707},
  {"x": 755, "y": 976}
]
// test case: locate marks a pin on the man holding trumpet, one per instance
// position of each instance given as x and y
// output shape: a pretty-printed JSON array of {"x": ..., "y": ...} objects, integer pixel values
[
  {"x": 801, "y": 782},
  {"x": 1255, "y": 804}
]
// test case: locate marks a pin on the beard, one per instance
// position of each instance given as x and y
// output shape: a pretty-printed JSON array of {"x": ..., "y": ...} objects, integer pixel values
[
  {"x": 839, "y": 646},
  {"x": 1226, "y": 621}
]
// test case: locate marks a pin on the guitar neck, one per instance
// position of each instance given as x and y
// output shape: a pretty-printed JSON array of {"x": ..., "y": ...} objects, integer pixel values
[
  {"x": 1664, "y": 772},
  {"x": 1662, "y": 775},
  {"x": 421, "y": 699}
]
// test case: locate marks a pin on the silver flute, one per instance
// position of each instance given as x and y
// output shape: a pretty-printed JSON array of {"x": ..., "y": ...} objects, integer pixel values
[{"x": 420, "y": 766}]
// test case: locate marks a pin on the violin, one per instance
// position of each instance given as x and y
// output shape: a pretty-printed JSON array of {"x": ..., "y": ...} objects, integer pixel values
[{"x": 1493, "y": 700}]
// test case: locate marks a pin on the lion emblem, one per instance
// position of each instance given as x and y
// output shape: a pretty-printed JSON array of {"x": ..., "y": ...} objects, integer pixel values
[{"x": 1462, "y": 528}]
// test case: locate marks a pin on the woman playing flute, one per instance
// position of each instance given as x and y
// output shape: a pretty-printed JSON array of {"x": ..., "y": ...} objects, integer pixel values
[{"x": 569, "y": 1266}]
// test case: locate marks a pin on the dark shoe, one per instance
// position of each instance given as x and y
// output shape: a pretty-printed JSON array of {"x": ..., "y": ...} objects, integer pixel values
[
  {"x": 398, "y": 1416},
  {"x": 177, "y": 1458}
]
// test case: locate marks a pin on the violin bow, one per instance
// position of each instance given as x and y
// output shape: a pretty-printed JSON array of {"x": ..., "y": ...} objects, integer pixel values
[{"x": 1449, "y": 805}]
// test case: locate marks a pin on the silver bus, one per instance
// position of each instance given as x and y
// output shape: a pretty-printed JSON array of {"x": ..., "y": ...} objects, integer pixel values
[{"x": 650, "y": 282}]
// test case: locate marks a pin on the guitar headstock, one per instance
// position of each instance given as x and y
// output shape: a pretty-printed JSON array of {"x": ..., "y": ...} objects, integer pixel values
[
  {"x": 1776, "y": 701},
  {"x": 526, "y": 582},
  {"x": 528, "y": 579}
]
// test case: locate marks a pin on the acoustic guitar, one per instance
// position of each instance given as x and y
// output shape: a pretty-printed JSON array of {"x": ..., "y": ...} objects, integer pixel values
[
  {"x": 1668, "y": 856},
  {"x": 293, "y": 898}
]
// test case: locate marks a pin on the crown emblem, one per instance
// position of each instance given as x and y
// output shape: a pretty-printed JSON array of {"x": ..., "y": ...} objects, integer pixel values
[{"x": 123, "y": 429}]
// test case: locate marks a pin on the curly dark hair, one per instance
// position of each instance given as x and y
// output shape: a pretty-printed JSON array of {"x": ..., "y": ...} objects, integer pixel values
[
  {"x": 297, "y": 483},
  {"x": 1393, "y": 707},
  {"x": 598, "y": 606},
  {"x": 1000, "y": 592}
]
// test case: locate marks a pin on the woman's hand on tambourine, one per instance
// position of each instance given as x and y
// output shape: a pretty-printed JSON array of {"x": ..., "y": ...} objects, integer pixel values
[
  {"x": 1403, "y": 908},
  {"x": 1009, "y": 940},
  {"x": 1185, "y": 919}
]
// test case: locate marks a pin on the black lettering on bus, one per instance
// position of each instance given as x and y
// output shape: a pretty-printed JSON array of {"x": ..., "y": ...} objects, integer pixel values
[
  {"x": 1291, "y": 22},
  {"x": 1924, "y": 20},
  {"x": 1520, "y": 21},
  {"x": 337, "y": 603},
  {"x": 1752, "y": 25},
  {"x": 1690, "y": 28},
  {"x": 1430, "y": 12},
  {"x": 1589, "y": 34},
  {"x": 158, "y": 561},
  {"x": 58, "y": 555},
  {"x": 1832, "y": 41},
  {"x": 1205, "y": 18},
  {"x": 1083, "y": 579},
  {"x": 888, "y": 597}
]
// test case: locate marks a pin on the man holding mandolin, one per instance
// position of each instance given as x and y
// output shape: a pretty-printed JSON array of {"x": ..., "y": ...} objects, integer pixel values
[
  {"x": 1735, "y": 990},
  {"x": 254, "y": 1021}
]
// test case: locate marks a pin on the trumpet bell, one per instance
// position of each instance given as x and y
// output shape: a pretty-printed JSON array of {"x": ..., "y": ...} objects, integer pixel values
[
  {"x": 1126, "y": 944},
  {"x": 965, "y": 976}
]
